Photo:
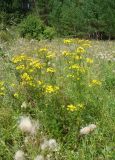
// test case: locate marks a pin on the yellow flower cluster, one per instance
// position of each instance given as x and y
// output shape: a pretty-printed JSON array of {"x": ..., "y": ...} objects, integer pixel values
[
  {"x": 65, "y": 53},
  {"x": 2, "y": 88},
  {"x": 68, "y": 41},
  {"x": 50, "y": 55},
  {"x": 80, "y": 50},
  {"x": 26, "y": 77},
  {"x": 72, "y": 107},
  {"x": 89, "y": 60},
  {"x": 19, "y": 58},
  {"x": 95, "y": 82},
  {"x": 77, "y": 67},
  {"x": 51, "y": 70},
  {"x": 51, "y": 89},
  {"x": 43, "y": 49}
]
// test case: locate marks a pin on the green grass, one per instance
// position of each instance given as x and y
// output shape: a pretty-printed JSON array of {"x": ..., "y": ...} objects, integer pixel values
[{"x": 51, "y": 109}]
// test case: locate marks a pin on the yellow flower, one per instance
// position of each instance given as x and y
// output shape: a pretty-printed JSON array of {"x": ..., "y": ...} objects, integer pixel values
[
  {"x": 31, "y": 84},
  {"x": 43, "y": 49},
  {"x": 51, "y": 70},
  {"x": 50, "y": 55},
  {"x": 26, "y": 77},
  {"x": 80, "y": 50},
  {"x": 19, "y": 58},
  {"x": 2, "y": 94},
  {"x": 78, "y": 57},
  {"x": 51, "y": 89},
  {"x": 36, "y": 64},
  {"x": 89, "y": 60},
  {"x": 40, "y": 82},
  {"x": 68, "y": 41},
  {"x": 71, "y": 108},
  {"x": 65, "y": 53},
  {"x": 74, "y": 66},
  {"x": 95, "y": 82},
  {"x": 20, "y": 67}
]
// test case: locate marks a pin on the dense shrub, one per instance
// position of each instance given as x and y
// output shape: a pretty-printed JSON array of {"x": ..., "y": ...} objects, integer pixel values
[
  {"x": 49, "y": 33},
  {"x": 31, "y": 27}
]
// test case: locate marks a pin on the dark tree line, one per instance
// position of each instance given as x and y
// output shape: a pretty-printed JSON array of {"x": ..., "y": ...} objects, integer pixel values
[{"x": 84, "y": 18}]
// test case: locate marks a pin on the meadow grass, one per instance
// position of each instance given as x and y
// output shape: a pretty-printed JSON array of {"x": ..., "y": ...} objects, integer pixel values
[{"x": 49, "y": 91}]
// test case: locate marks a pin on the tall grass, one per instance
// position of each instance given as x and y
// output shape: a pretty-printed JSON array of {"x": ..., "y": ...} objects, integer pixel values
[{"x": 60, "y": 87}]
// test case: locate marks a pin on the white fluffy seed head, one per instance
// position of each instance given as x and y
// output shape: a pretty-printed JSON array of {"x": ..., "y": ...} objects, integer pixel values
[
  {"x": 39, "y": 157},
  {"x": 44, "y": 145},
  {"x": 87, "y": 129},
  {"x": 26, "y": 125},
  {"x": 19, "y": 155},
  {"x": 52, "y": 144}
]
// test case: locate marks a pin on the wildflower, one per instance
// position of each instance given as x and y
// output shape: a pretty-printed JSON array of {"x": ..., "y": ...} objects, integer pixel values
[
  {"x": 2, "y": 94},
  {"x": 26, "y": 77},
  {"x": 95, "y": 82},
  {"x": 80, "y": 50},
  {"x": 78, "y": 57},
  {"x": 71, "y": 108},
  {"x": 87, "y": 129},
  {"x": 31, "y": 84},
  {"x": 39, "y": 82},
  {"x": 19, "y": 58},
  {"x": 51, "y": 70},
  {"x": 39, "y": 157},
  {"x": 65, "y": 53},
  {"x": 89, "y": 60},
  {"x": 51, "y": 89},
  {"x": 26, "y": 125},
  {"x": 20, "y": 67},
  {"x": 50, "y": 55},
  {"x": 43, "y": 49},
  {"x": 19, "y": 155},
  {"x": 74, "y": 108},
  {"x": 35, "y": 64},
  {"x": 68, "y": 41}
]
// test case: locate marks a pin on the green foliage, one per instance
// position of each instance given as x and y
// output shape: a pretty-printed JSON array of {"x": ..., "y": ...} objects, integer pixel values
[
  {"x": 49, "y": 33},
  {"x": 31, "y": 27}
]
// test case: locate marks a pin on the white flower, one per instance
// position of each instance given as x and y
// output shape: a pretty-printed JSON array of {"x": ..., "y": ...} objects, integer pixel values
[
  {"x": 52, "y": 144},
  {"x": 87, "y": 129},
  {"x": 24, "y": 105},
  {"x": 19, "y": 155},
  {"x": 39, "y": 157},
  {"x": 26, "y": 125}
]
